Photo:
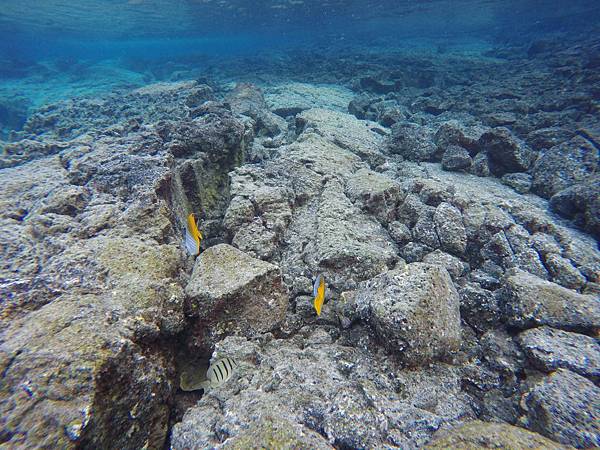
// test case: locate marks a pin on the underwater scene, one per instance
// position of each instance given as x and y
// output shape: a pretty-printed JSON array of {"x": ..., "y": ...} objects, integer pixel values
[{"x": 299, "y": 224}]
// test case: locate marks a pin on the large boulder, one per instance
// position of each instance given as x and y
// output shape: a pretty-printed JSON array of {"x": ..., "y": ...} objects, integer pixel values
[
  {"x": 563, "y": 165},
  {"x": 414, "y": 311},
  {"x": 548, "y": 349},
  {"x": 529, "y": 301},
  {"x": 231, "y": 292},
  {"x": 480, "y": 435},
  {"x": 564, "y": 407},
  {"x": 375, "y": 193},
  {"x": 413, "y": 142},
  {"x": 581, "y": 203},
  {"x": 505, "y": 152},
  {"x": 456, "y": 158}
]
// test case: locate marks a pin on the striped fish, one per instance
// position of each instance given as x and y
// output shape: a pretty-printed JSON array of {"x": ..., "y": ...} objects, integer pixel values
[
  {"x": 192, "y": 236},
  {"x": 219, "y": 372},
  {"x": 319, "y": 293}
]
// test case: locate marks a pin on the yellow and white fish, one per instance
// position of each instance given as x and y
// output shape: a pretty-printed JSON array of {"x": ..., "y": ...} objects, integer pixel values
[
  {"x": 319, "y": 293},
  {"x": 192, "y": 236}
]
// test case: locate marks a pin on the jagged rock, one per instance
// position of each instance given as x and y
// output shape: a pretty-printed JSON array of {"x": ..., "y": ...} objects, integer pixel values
[
  {"x": 450, "y": 229},
  {"x": 232, "y": 293},
  {"x": 563, "y": 165},
  {"x": 359, "y": 137},
  {"x": 455, "y": 267},
  {"x": 414, "y": 311},
  {"x": 452, "y": 133},
  {"x": 481, "y": 165},
  {"x": 505, "y": 152},
  {"x": 280, "y": 381},
  {"x": 564, "y": 406},
  {"x": 563, "y": 272},
  {"x": 478, "y": 434},
  {"x": 549, "y": 349},
  {"x": 520, "y": 182},
  {"x": 414, "y": 252},
  {"x": 360, "y": 107},
  {"x": 456, "y": 158},
  {"x": 479, "y": 307},
  {"x": 412, "y": 142},
  {"x": 545, "y": 138},
  {"x": 580, "y": 203},
  {"x": 375, "y": 193},
  {"x": 399, "y": 232},
  {"x": 528, "y": 301}
]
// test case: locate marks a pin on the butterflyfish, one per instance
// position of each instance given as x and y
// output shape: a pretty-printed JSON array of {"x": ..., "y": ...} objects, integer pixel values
[
  {"x": 192, "y": 236},
  {"x": 319, "y": 293}
]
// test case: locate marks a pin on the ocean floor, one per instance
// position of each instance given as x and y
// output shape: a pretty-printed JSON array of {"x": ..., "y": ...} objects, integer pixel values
[{"x": 450, "y": 200}]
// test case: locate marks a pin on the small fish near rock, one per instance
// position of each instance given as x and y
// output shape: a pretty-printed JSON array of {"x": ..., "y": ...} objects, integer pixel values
[
  {"x": 319, "y": 293},
  {"x": 192, "y": 236},
  {"x": 218, "y": 373}
]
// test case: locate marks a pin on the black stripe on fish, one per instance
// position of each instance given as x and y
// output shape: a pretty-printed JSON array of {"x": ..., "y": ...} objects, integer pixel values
[
  {"x": 221, "y": 373},
  {"x": 230, "y": 366}
]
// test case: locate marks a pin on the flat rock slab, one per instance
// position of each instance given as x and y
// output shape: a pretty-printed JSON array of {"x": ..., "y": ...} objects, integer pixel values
[
  {"x": 478, "y": 434},
  {"x": 529, "y": 301},
  {"x": 232, "y": 293},
  {"x": 564, "y": 407},
  {"x": 549, "y": 349},
  {"x": 414, "y": 311}
]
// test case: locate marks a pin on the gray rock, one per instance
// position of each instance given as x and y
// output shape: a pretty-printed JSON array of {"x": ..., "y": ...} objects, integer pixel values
[
  {"x": 414, "y": 252},
  {"x": 563, "y": 272},
  {"x": 528, "y": 301},
  {"x": 455, "y": 267},
  {"x": 414, "y": 311},
  {"x": 505, "y": 152},
  {"x": 279, "y": 397},
  {"x": 480, "y": 435},
  {"x": 545, "y": 138},
  {"x": 375, "y": 193},
  {"x": 480, "y": 165},
  {"x": 362, "y": 138},
  {"x": 413, "y": 142},
  {"x": 563, "y": 165},
  {"x": 520, "y": 182},
  {"x": 564, "y": 407},
  {"x": 453, "y": 133},
  {"x": 456, "y": 158},
  {"x": 479, "y": 307},
  {"x": 425, "y": 230},
  {"x": 549, "y": 349},
  {"x": 581, "y": 203},
  {"x": 450, "y": 228},
  {"x": 399, "y": 232},
  {"x": 232, "y": 293}
]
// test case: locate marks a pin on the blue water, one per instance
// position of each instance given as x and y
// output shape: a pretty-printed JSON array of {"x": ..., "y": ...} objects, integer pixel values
[{"x": 56, "y": 49}]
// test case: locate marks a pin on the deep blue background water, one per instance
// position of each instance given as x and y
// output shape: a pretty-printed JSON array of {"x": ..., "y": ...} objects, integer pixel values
[{"x": 55, "y": 49}]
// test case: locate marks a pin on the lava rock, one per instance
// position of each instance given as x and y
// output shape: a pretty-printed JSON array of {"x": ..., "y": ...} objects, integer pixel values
[
  {"x": 581, "y": 203},
  {"x": 528, "y": 301},
  {"x": 548, "y": 349},
  {"x": 375, "y": 193},
  {"x": 450, "y": 229},
  {"x": 455, "y": 267},
  {"x": 478, "y": 434},
  {"x": 564, "y": 407},
  {"x": 505, "y": 152},
  {"x": 564, "y": 165},
  {"x": 413, "y": 142},
  {"x": 479, "y": 307},
  {"x": 456, "y": 158},
  {"x": 563, "y": 272},
  {"x": 454, "y": 133},
  {"x": 414, "y": 311},
  {"x": 520, "y": 182},
  {"x": 232, "y": 293}
]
